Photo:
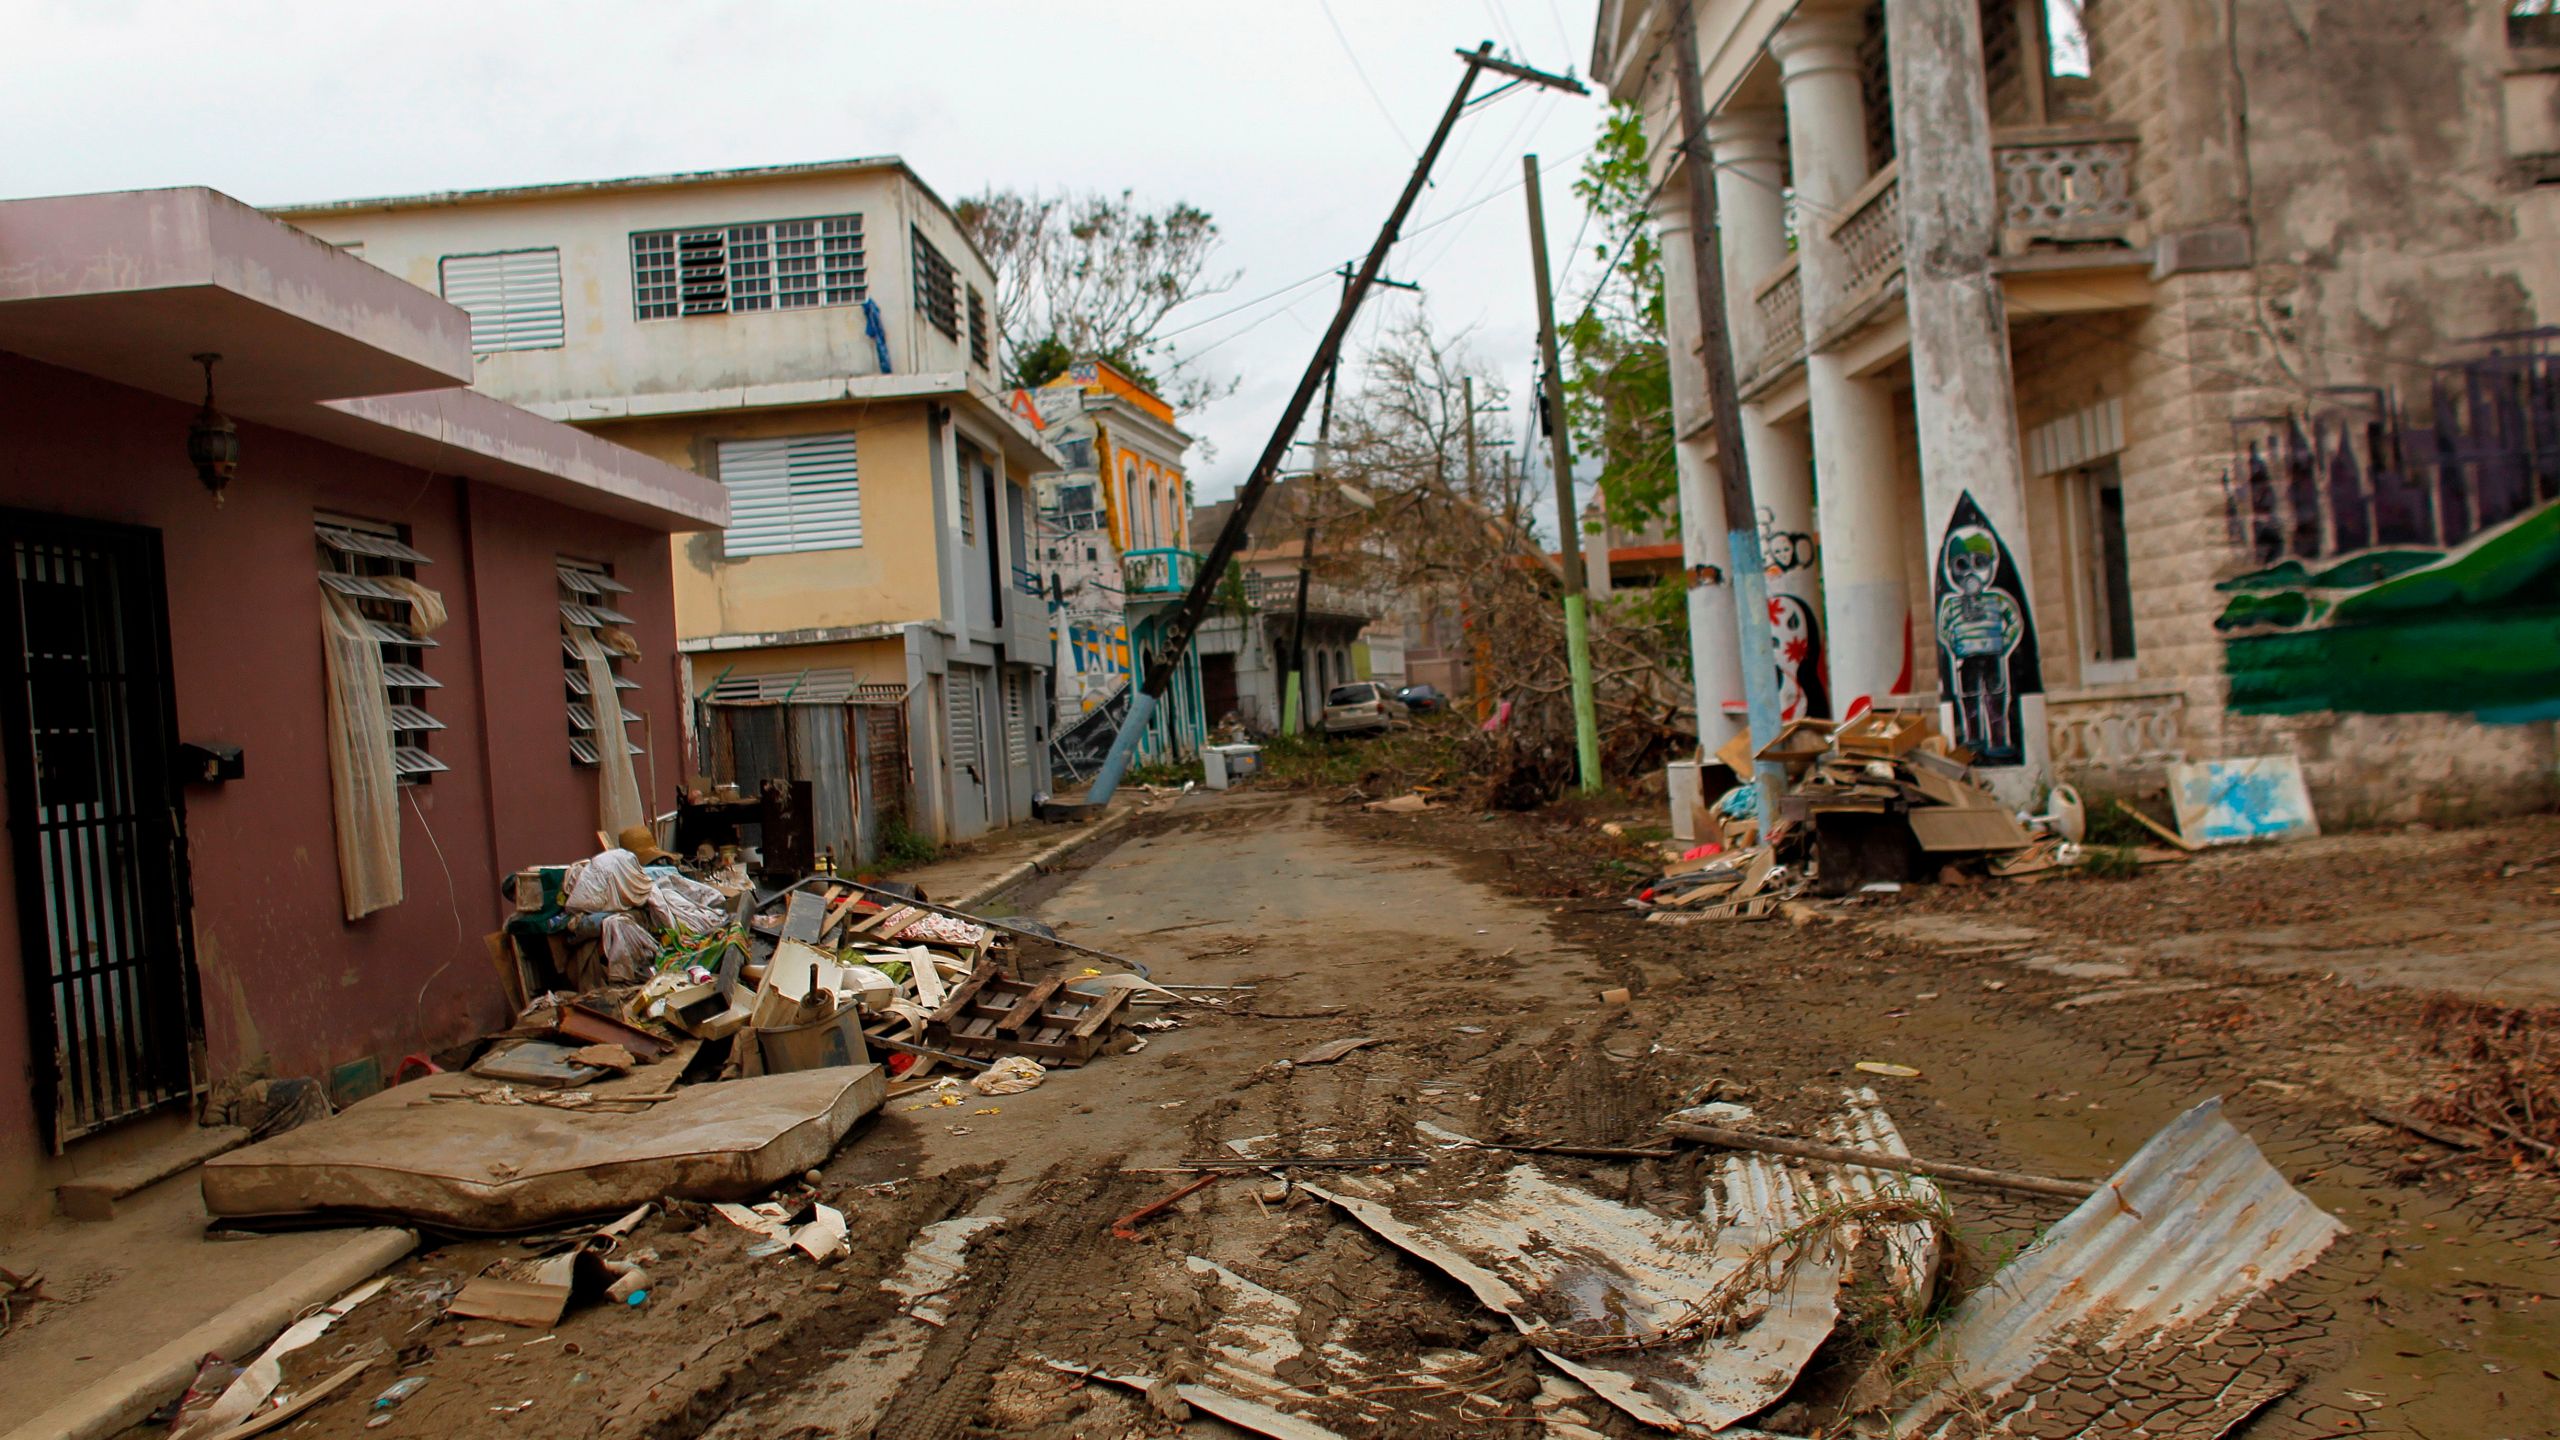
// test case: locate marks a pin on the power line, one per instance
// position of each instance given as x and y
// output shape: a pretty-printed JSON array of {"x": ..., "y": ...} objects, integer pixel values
[
  {"x": 1330, "y": 271},
  {"x": 1353, "y": 55}
]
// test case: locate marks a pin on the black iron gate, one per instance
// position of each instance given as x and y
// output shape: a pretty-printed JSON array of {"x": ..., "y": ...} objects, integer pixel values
[{"x": 96, "y": 828}]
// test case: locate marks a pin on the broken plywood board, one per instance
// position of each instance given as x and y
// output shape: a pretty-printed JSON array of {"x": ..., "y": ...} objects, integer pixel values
[
  {"x": 497, "y": 1168},
  {"x": 2167, "y": 1253},
  {"x": 1941, "y": 830}
]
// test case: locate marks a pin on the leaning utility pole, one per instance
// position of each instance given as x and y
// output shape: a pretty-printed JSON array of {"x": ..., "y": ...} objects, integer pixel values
[
  {"x": 1750, "y": 576},
  {"x": 1291, "y": 706},
  {"x": 1195, "y": 605},
  {"x": 1577, "y": 609}
]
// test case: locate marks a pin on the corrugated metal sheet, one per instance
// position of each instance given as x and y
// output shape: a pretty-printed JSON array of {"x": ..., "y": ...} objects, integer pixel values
[
  {"x": 822, "y": 754},
  {"x": 2194, "y": 1226},
  {"x": 1567, "y": 1266}
]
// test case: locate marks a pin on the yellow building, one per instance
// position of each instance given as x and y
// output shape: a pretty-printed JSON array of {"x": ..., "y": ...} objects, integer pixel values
[{"x": 820, "y": 339}]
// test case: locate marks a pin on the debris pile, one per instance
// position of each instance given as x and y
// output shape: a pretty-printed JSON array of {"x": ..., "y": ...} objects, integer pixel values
[
  {"x": 1707, "y": 1324},
  {"x": 1871, "y": 802},
  {"x": 657, "y": 1002}
]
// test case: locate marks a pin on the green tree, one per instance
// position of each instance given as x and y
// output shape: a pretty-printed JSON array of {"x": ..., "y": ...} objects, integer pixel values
[{"x": 1617, "y": 370}]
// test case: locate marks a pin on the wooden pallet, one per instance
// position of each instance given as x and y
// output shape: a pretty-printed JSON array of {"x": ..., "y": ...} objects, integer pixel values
[{"x": 991, "y": 1015}]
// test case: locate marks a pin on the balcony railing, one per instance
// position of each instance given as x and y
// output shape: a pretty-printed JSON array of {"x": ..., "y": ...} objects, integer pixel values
[
  {"x": 1779, "y": 297},
  {"x": 1277, "y": 594},
  {"x": 2116, "y": 729},
  {"x": 1158, "y": 572},
  {"x": 2066, "y": 183},
  {"x": 1869, "y": 233}
]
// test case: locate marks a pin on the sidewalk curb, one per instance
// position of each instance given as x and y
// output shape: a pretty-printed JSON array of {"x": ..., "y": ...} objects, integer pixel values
[
  {"x": 1055, "y": 853},
  {"x": 116, "y": 1401}
]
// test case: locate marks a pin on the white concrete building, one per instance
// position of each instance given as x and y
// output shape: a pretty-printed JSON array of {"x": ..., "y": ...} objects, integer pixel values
[{"x": 2077, "y": 405}]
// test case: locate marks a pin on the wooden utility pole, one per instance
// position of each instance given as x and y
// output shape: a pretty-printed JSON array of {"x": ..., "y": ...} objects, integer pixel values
[
  {"x": 1749, "y": 575},
  {"x": 1185, "y": 622},
  {"x": 1577, "y": 611}
]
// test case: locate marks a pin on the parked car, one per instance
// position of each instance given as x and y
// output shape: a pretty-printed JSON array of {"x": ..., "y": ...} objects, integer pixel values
[
  {"x": 1361, "y": 705},
  {"x": 1422, "y": 699}
]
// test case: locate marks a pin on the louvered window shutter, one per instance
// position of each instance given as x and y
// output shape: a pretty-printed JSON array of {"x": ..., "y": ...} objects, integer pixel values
[
  {"x": 801, "y": 492},
  {"x": 513, "y": 298}
]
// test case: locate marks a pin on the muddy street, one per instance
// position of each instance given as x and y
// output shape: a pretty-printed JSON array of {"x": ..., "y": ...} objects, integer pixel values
[{"x": 986, "y": 1294}]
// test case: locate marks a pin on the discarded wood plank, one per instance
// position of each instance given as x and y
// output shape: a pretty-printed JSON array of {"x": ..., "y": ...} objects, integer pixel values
[
  {"x": 266, "y": 1420},
  {"x": 2156, "y": 828},
  {"x": 802, "y": 916},
  {"x": 1877, "y": 1160},
  {"x": 2458, "y": 1137}
]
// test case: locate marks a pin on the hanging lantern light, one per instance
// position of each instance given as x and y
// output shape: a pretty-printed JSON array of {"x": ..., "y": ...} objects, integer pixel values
[{"x": 213, "y": 442}]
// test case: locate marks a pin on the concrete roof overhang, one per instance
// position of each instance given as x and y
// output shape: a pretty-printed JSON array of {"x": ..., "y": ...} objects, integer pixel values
[
  {"x": 463, "y": 432},
  {"x": 129, "y": 286}
]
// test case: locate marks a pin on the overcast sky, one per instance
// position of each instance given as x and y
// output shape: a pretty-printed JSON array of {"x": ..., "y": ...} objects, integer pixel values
[{"x": 1257, "y": 113}]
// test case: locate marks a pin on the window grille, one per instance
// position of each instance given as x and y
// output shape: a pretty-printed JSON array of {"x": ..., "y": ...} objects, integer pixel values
[
  {"x": 752, "y": 265},
  {"x": 979, "y": 349},
  {"x": 937, "y": 287}
]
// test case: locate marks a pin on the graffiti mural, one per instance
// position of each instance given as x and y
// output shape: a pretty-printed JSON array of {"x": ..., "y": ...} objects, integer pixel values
[
  {"x": 1986, "y": 637},
  {"x": 1785, "y": 551},
  {"x": 2401, "y": 566},
  {"x": 1802, "y": 681}
]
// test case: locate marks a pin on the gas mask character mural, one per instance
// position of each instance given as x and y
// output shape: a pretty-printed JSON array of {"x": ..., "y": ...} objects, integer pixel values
[{"x": 1986, "y": 638}]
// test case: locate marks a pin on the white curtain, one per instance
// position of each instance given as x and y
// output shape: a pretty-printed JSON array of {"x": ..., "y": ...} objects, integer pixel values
[
  {"x": 363, "y": 786},
  {"x": 617, "y": 786}
]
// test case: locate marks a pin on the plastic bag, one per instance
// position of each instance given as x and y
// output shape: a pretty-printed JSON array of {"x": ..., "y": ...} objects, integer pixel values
[
  {"x": 611, "y": 881},
  {"x": 679, "y": 903},
  {"x": 1010, "y": 1075},
  {"x": 630, "y": 951}
]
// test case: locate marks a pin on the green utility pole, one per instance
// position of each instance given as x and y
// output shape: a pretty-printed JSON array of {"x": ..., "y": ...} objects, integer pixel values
[{"x": 1577, "y": 612}]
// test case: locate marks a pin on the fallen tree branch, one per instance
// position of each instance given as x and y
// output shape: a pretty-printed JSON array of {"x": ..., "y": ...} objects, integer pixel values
[{"x": 1878, "y": 1160}]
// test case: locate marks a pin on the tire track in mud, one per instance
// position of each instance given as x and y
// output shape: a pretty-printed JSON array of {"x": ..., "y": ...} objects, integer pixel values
[
  {"x": 802, "y": 1337},
  {"x": 1029, "y": 1289}
]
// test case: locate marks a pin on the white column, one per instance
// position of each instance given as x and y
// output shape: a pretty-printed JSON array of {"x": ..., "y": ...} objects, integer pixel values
[
  {"x": 1865, "y": 602},
  {"x": 1973, "y": 478},
  {"x": 1751, "y": 178},
  {"x": 1715, "y": 649}
]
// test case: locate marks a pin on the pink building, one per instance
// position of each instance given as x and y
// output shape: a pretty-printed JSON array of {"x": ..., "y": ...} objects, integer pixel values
[{"x": 193, "y": 754}]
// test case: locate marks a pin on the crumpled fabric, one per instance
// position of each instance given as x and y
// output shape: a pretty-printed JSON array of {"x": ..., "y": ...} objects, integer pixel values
[
  {"x": 679, "y": 902},
  {"x": 613, "y": 880},
  {"x": 1010, "y": 1075},
  {"x": 426, "y": 607},
  {"x": 943, "y": 928},
  {"x": 630, "y": 951}
]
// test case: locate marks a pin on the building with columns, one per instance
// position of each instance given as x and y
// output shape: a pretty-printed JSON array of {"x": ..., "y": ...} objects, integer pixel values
[{"x": 2133, "y": 391}]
